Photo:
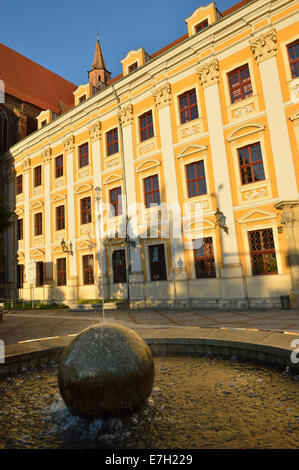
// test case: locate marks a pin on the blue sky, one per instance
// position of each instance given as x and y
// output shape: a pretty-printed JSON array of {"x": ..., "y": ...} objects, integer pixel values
[{"x": 61, "y": 35}]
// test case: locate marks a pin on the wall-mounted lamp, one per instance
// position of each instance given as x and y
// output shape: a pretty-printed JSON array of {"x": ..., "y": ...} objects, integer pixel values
[
  {"x": 65, "y": 248},
  {"x": 220, "y": 220}
]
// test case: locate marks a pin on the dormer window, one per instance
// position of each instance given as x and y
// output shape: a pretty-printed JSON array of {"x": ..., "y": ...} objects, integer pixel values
[
  {"x": 43, "y": 123},
  {"x": 200, "y": 26},
  {"x": 133, "y": 67},
  {"x": 82, "y": 98}
]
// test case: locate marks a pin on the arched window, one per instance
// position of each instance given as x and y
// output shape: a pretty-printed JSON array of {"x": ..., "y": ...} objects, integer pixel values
[{"x": 3, "y": 132}]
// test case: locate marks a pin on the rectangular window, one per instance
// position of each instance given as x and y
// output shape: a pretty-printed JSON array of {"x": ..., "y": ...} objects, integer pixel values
[
  {"x": 61, "y": 271},
  {"x": 20, "y": 229},
  {"x": 293, "y": 50},
  {"x": 112, "y": 141},
  {"x": 38, "y": 224},
  {"x": 262, "y": 252},
  {"x": 85, "y": 210},
  {"x": 204, "y": 261},
  {"x": 43, "y": 123},
  {"x": 19, "y": 184},
  {"x": 37, "y": 176},
  {"x": 251, "y": 163},
  {"x": 119, "y": 266},
  {"x": 157, "y": 263},
  {"x": 133, "y": 67},
  {"x": 82, "y": 99},
  {"x": 240, "y": 84},
  {"x": 20, "y": 276},
  {"x": 196, "y": 179},
  {"x": 151, "y": 191},
  {"x": 59, "y": 166},
  {"x": 87, "y": 261},
  {"x": 60, "y": 218},
  {"x": 116, "y": 201},
  {"x": 39, "y": 273},
  {"x": 146, "y": 126},
  {"x": 83, "y": 155},
  {"x": 203, "y": 25},
  {"x": 188, "y": 106}
]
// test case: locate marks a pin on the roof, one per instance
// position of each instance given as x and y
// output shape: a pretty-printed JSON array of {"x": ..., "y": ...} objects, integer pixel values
[
  {"x": 98, "y": 53},
  {"x": 227, "y": 12},
  {"x": 30, "y": 82}
]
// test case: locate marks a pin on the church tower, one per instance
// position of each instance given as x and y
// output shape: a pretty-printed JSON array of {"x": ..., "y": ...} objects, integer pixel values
[{"x": 98, "y": 74}]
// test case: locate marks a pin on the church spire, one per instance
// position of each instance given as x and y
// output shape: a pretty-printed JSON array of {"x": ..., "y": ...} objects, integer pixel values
[{"x": 98, "y": 72}]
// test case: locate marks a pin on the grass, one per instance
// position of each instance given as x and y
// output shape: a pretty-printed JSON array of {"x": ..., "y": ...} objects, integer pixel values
[
  {"x": 36, "y": 305},
  {"x": 94, "y": 301}
]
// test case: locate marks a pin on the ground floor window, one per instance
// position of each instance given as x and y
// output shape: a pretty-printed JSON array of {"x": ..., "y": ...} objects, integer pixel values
[
  {"x": 88, "y": 277},
  {"x": 157, "y": 263},
  {"x": 204, "y": 262},
  {"x": 119, "y": 266},
  {"x": 262, "y": 252},
  {"x": 61, "y": 271},
  {"x": 39, "y": 273},
  {"x": 20, "y": 276}
]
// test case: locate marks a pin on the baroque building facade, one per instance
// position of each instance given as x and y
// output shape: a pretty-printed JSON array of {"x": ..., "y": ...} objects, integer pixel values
[{"x": 211, "y": 122}]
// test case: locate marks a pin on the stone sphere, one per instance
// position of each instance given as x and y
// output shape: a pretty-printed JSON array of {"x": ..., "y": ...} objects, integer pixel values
[{"x": 107, "y": 370}]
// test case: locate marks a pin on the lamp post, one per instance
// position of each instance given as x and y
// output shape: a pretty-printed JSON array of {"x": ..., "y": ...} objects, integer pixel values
[
  {"x": 98, "y": 190},
  {"x": 64, "y": 247},
  {"x": 220, "y": 220}
]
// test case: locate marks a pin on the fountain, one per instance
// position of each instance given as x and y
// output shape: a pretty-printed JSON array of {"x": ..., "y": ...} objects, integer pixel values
[
  {"x": 107, "y": 370},
  {"x": 105, "y": 396}
]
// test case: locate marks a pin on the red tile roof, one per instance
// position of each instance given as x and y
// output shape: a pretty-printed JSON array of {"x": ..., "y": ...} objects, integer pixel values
[
  {"x": 235, "y": 7},
  {"x": 227, "y": 12},
  {"x": 30, "y": 82}
]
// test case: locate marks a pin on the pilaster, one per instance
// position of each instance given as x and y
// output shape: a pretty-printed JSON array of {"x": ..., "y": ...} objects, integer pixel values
[
  {"x": 231, "y": 271},
  {"x": 72, "y": 278},
  {"x": 46, "y": 156},
  {"x": 125, "y": 116},
  {"x": 290, "y": 220},
  {"x": 162, "y": 97},
  {"x": 26, "y": 166},
  {"x": 95, "y": 134},
  {"x": 264, "y": 49}
]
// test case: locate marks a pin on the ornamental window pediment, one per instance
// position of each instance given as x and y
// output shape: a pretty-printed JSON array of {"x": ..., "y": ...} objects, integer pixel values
[
  {"x": 36, "y": 205},
  {"x": 112, "y": 179},
  {"x": 191, "y": 149},
  {"x": 257, "y": 215},
  {"x": 83, "y": 188},
  {"x": 148, "y": 165},
  {"x": 245, "y": 131}
]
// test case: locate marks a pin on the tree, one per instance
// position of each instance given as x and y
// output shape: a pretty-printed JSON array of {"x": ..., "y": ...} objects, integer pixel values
[{"x": 5, "y": 215}]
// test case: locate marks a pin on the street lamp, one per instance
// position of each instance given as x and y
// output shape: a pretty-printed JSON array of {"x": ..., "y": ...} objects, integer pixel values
[
  {"x": 65, "y": 248},
  {"x": 220, "y": 220}
]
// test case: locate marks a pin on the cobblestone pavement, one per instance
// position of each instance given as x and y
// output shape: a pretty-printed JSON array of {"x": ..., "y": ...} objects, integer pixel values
[{"x": 24, "y": 325}]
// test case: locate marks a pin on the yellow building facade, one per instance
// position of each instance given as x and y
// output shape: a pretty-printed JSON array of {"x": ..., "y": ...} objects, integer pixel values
[{"x": 203, "y": 135}]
